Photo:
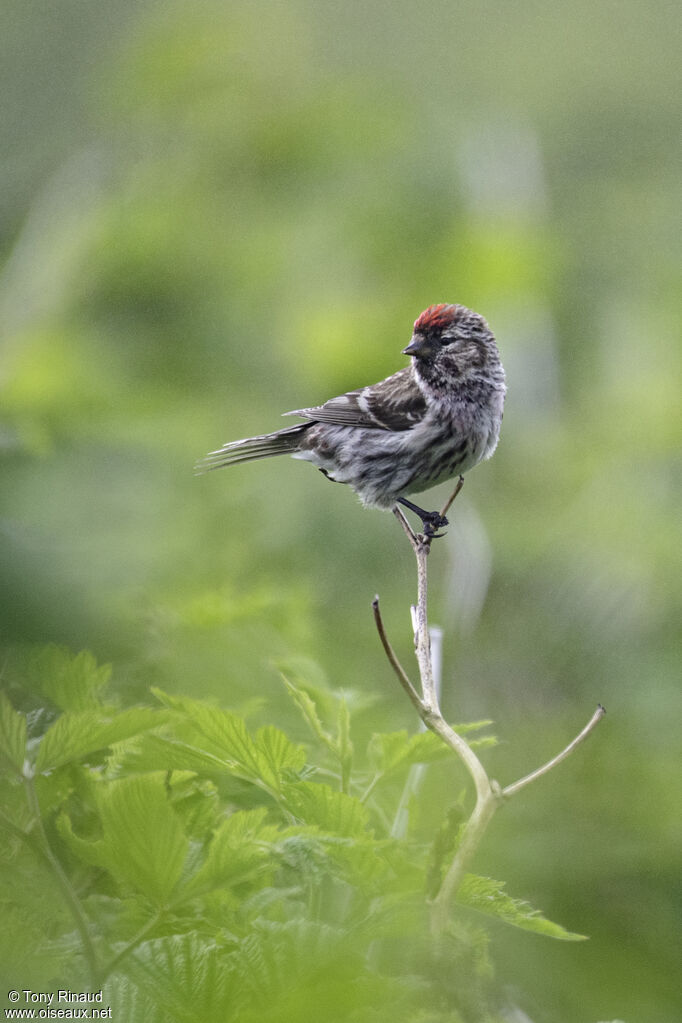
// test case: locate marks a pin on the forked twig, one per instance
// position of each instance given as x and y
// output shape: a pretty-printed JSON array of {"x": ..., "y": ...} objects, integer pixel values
[{"x": 489, "y": 794}]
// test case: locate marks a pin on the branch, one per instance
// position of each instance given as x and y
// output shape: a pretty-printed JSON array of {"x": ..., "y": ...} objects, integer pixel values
[
  {"x": 428, "y": 707},
  {"x": 393, "y": 660},
  {"x": 489, "y": 795},
  {"x": 411, "y": 535},
  {"x": 450, "y": 501},
  {"x": 422, "y": 640},
  {"x": 435, "y": 722},
  {"x": 511, "y": 790}
]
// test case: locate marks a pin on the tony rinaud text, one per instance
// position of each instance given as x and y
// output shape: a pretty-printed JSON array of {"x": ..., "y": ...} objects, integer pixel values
[{"x": 61, "y": 996}]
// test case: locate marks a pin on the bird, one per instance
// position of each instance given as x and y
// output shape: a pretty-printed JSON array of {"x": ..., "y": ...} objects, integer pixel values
[{"x": 434, "y": 419}]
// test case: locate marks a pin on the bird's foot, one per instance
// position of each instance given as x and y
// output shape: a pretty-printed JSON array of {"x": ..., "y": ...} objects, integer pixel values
[
  {"x": 431, "y": 521},
  {"x": 433, "y": 524}
]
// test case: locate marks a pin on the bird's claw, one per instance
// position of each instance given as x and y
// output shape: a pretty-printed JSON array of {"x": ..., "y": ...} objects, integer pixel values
[
  {"x": 432, "y": 524},
  {"x": 431, "y": 521}
]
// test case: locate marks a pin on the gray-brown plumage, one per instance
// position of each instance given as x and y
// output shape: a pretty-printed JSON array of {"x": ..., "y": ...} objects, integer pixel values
[{"x": 432, "y": 420}]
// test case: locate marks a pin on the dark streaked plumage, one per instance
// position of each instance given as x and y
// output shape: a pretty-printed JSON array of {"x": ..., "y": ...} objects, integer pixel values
[{"x": 432, "y": 420}]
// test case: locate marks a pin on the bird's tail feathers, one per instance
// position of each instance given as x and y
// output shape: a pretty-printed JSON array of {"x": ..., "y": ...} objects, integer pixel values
[{"x": 248, "y": 450}]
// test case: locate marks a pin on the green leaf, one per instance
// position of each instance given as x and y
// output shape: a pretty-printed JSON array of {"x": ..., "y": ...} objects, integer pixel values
[
  {"x": 156, "y": 751},
  {"x": 93, "y": 852},
  {"x": 277, "y": 755},
  {"x": 185, "y": 978},
  {"x": 344, "y": 744},
  {"x": 267, "y": 759},
  {"x": 485, "y": 742},
  {"x": 72, "y": 682},
  {"x": 388, "y": 751},
  {"x": 308, "y": 709},
  {"x": 15, "y": 812},
  {"x": 465, "y": 727},
  {"x": 12, "y": 736},
  {"x": 76, "y": 734},
  {"x": 143, "y": 845},
  {"x": 196, "y": 802},
  {"x": 239, "y": 846},
  {"x": 488, "y": 896},
  {"x": 332, "y": 811}
]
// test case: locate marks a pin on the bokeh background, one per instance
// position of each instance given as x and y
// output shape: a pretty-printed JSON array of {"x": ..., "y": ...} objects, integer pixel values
[{"x": 211, "y": 213}]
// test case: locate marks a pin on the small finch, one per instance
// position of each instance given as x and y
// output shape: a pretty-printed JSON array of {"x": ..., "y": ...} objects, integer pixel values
[{"x": 432, "y": 420}]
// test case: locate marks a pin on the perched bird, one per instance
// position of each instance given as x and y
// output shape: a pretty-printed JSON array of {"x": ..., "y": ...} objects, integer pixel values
[{"x": 432, "y": 420}]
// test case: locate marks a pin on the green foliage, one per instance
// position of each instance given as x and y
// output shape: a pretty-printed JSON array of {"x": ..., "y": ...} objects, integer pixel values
[
  {"x": 143, "y": 845},
  {"x": 267, "y": 758},
  {"x": 214, "y": 212},
  {"x": 392, "y": 751},
  {"x": 488, "y": 896},
  {"x": 191, "y": 908},
  {"x": 71, "y": 682},
  {"x": 76, "y": 734},
  {"x": 12, "y": 736}
]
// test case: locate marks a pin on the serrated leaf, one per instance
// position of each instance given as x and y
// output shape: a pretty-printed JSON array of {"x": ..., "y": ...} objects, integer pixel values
[
  {"x": 196, "y": 801},
  {"x": 145, "y": 843},
  {"x": 187, "y": 977},
  {"x": 361, "y": 862},
  {"x": 12, "y": 736},
  {"x": 332, "y": 811},
  {"x": 278, "y": 755},
  {"x": 156, "y": 751},
  {"x": 344, "y": 744},
  {"x": 485, "y": 742},
  {"x": 388, "y": 751},
  {"x": 239, "y": 847},
  {"x": 343, "y": 729},
  {"x": 275, "y": 955},
  {"x": 76, "y": 734},
  {"x": 465, "y": 727},
  {"x": 71, "y": 681},
  {"x": 265, "y": 759},
  {"x": 90, "y": 851},
  {"x": 488, "y": 896},
  {"x": 308, "y": 709},
  {"x": 132, "y": 1003}
]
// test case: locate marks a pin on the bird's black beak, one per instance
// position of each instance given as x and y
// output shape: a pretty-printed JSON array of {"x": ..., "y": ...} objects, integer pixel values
[{"x": 419, "y": 345}]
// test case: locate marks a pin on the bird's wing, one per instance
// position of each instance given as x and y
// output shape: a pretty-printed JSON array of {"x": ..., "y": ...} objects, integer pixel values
[{"x": 393, "y": 404}]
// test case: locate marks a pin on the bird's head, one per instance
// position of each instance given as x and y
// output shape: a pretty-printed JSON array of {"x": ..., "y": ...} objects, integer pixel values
[
  {"x": 452, "y": 334},
  {"x": 452, "y": 329}
]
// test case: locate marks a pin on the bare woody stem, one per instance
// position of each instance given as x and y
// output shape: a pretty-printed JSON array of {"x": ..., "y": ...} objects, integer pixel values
[
  {"x": 489, "y": 795},
  {"x": 511, "y": 790},
  {"x": 393, "y": 660},
  {"x": 451, "y": 500}
]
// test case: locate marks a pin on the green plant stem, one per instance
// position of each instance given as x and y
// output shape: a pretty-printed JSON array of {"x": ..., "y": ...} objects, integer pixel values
[
  {"x": 70, "y": 897},
  {"x": 129, "y": 947}
]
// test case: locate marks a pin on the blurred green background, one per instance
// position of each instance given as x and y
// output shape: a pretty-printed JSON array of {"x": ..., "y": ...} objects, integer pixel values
[{"x": 211, "y": 213}]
